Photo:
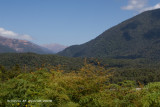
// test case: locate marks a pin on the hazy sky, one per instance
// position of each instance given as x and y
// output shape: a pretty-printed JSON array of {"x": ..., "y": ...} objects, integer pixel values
[{"x": 66, "y": 22}]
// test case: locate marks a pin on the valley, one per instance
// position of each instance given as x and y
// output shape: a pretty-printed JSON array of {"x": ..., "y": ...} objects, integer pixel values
[{"x": 103, "y": 72}]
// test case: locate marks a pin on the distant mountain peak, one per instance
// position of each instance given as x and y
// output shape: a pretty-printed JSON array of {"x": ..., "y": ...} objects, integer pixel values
[{"x": 20, "y": 46}]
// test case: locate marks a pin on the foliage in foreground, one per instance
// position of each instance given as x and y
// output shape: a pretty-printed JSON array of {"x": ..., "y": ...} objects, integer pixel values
[{"x": 88, "y": 87}]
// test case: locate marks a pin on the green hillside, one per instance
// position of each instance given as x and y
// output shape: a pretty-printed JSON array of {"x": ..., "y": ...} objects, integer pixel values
[{"x": 138, "y": 37}]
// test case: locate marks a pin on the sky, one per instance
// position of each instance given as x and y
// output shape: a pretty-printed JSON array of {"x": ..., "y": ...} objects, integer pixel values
[{"x": 66, "y": 22}]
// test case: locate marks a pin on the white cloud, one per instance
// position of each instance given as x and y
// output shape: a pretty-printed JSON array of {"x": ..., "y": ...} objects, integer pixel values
[
  {"x": 11, "y": 34},
  {"x": 140, "y": 5},
  {"x": 135, "y": 5},
  {"x": 157, "y": 6}
]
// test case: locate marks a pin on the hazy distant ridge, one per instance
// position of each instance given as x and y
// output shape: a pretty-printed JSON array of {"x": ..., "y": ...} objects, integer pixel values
[{"x": 54, "y": 47}]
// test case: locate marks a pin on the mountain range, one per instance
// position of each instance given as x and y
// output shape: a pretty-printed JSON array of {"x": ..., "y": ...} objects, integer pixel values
[
  {"x": 137, "y": 37},
  {"x": 20, "y": 46}
]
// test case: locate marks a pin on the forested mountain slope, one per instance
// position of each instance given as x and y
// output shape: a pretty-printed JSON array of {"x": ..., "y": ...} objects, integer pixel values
[{"x": 134, "y": 38}]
